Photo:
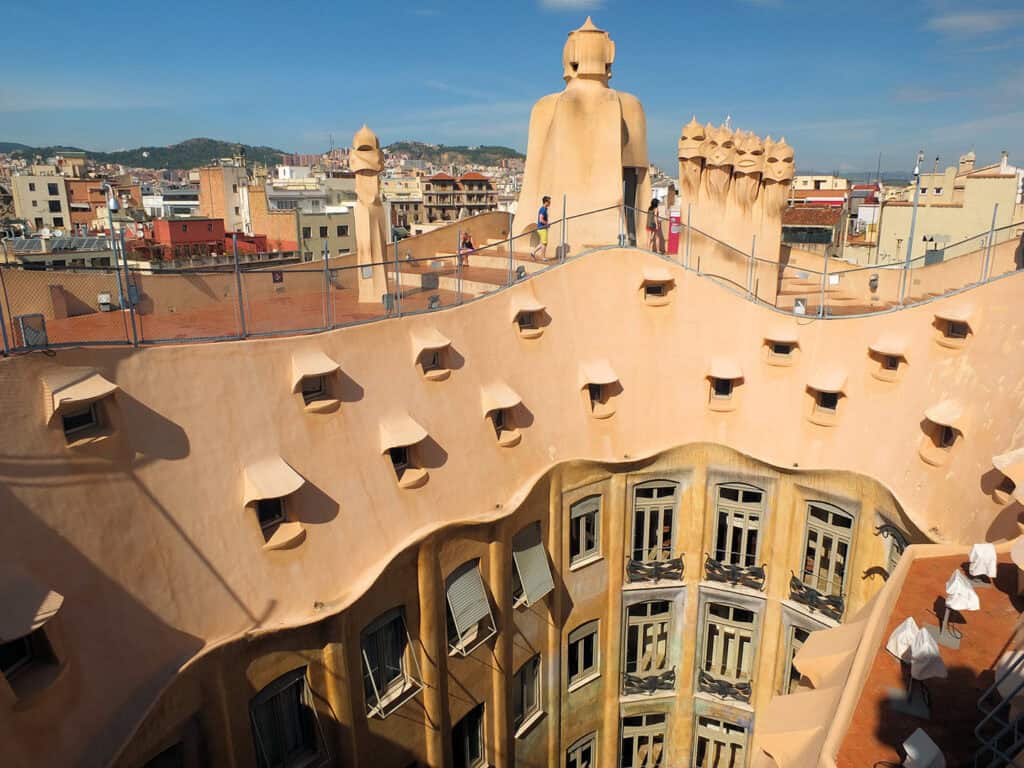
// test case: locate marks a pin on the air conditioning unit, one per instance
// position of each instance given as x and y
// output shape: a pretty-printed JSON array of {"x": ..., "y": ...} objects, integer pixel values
[{"x": 103, "y": 300}]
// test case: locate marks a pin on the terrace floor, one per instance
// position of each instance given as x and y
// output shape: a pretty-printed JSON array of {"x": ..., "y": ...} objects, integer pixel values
[{"x": 877, "y": 731}]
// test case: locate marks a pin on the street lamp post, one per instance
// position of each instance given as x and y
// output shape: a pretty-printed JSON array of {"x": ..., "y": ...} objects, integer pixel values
[
  {"x": 913, "y": 223},
  {"x": 112, "y": 208}
]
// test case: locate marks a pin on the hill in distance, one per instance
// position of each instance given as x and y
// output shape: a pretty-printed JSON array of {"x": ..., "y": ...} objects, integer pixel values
[
  {"x": 190, "y": 153},
  {"x": 440, "y": 154}
]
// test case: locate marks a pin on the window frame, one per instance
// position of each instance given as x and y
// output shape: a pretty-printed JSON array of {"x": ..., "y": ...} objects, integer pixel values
[
  {"x": 528, "y": 675},
  {"x": 573, "y": 756},
  {"x": 272, "y": 691},
  {"x": 726, "y": 513},
  {"x": 826, "y": 528},
  {"x": 404, "y": 685},
  {"x": 652, "y": 729},
  {"x": 310, "y": 395},
  {"x": 792, "y": 646},
  {"x": 580, "y": 512},
  {"x": 820, "y": 396},
  {"x": 76, "y": 431},
  {"x": 707, "y": 734},
  {"x": 271, "y": 524},
  {"x": 722, "y": 654},
  {"x": 589, "y": 631},
  {"x": 474, "y": 718},
  {"x": 649, "y": 509},
  {"x": 662, "y": 625}
]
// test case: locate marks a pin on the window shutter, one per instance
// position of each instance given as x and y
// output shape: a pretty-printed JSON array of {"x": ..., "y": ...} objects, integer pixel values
[
  {"x": 468, "y": 600},
  {"x": 531, "y": 562}
]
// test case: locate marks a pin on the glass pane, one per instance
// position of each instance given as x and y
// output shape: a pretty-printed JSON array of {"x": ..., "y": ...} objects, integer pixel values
[
  {"x": 574, "y": 537},
  {"x": 721, "y": 541}
]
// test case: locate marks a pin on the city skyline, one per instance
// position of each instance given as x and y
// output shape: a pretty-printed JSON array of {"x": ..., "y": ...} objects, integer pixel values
[{"x": 930, "y": 76}]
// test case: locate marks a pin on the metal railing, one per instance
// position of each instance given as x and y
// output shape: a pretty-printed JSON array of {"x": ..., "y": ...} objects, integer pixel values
[{"x": 79, "y": 306}]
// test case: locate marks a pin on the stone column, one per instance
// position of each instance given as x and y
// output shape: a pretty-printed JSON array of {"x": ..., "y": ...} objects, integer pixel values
[
  {"x": 433, "y": 657},
  {"x": 553, "y": 657},
  {"x": 614, "y": 515},
  {"x": 499, "y": 558}
]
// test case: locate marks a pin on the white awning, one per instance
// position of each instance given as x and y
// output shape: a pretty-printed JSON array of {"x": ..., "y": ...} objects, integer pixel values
[
  {"x": 656, "y": 274},
  {"x": 308, "y": 363},
  {"x": 498, "y": 395},
  {"x": 70, "y": 388},
  {"x": 826, "y": 655},
  {"x": 25, "y": 604},
  {"x": 828, "y": 380},
  {"x": 890, "y": 345},
  {"x": 959, "y": 314},
  {"x": 400, "y": 431},
  {"x": 724, "y": 368},
  {"x": 783, "y": 333},
  {"x": 523, "y": 300},
  {"x": 425, "y": 338},
  {"x": 597, "y": 372},
  {"x": 948, "y": 413},
  {"x": 270, "y": 478},
  {"x": 793, "y": 728}
]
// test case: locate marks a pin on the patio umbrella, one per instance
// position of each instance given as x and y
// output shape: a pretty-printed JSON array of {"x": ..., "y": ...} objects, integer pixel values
[{"x": 982, "y": 564}]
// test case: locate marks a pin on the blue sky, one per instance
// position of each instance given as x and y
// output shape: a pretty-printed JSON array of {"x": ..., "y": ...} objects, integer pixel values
[{"x": 842, "y": 81}]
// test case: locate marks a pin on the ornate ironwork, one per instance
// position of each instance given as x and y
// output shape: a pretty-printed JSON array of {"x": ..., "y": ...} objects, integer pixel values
[
  {"x": 832, "y": 605},
  {"x": 751, "y": 576},
  {"x": 890, "y": 531},
  {"x": 655, "y": 570},
  {"x": 666, "y": 681},
  {"x": 723, "y": 688}
]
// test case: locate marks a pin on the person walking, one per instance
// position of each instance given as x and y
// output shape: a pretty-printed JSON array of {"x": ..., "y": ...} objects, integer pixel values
[
  {"x": 655, "y": 237},
  {"x": 466, "y": 247},
  {"x": 542, "y": 230}
]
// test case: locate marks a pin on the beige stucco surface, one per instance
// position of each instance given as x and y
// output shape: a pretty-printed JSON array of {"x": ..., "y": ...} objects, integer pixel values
[{"x": 147, "y": 531}]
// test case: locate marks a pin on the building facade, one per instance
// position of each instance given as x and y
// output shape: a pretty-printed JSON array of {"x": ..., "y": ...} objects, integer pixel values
[
  {"x": 224, "y": 194},
  {"x": 40, "y": 198}
]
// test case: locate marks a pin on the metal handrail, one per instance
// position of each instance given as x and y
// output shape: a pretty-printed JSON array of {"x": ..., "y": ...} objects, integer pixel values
[{"x": 503, "y": 248}]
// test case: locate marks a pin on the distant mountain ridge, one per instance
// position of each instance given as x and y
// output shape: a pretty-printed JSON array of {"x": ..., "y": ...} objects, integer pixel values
[
  {"x": 193, "y": 153},
  {"x": 184, "y": 155},
  {"x": 441, "y": 154}
]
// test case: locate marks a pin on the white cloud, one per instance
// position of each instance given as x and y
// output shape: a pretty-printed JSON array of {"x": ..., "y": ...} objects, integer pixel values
[
  {"x": 570, "y": 5},
  {"x": 972, "y": 24}
]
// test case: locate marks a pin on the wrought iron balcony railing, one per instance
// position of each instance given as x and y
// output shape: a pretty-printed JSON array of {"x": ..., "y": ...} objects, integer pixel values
[
  {"x": 752, "y": 576},
  {"x": 830, "y": 605},
  {"x": 723, "y": 688},
  {"x": 649, "y": 684},
  {"x": 654, "y": 570}
]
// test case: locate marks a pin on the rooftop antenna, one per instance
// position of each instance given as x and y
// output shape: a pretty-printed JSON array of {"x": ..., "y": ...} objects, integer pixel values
[{"x": 878, "y": 172}]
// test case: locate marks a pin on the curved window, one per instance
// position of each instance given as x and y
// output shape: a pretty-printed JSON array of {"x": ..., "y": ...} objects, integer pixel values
[
  {"x": 388, "y": 681},
  {"x": 827, "y": 548},
  {"x": 583, "y": 753},
  {"x": 584, "y": 653},
  {"x": 739, "y": 508},
  {"x": 585, "y": 529},
  {"x": 284, "y": 723},
  {"x": 654, "y": 513}
]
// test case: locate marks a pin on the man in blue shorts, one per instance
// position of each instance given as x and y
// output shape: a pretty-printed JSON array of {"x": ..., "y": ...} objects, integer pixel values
[{"x": 542, "y": 230}]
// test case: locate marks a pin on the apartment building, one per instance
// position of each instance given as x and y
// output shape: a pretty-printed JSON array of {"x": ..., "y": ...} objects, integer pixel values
[
  {"x": 447, "y": 198},
  {"x": 40, "y": 197},
  {"x": 224, "y": 194}
]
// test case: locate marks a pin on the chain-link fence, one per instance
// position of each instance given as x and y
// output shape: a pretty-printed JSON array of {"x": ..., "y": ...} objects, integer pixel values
[{"x": 85, "y": 306}]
